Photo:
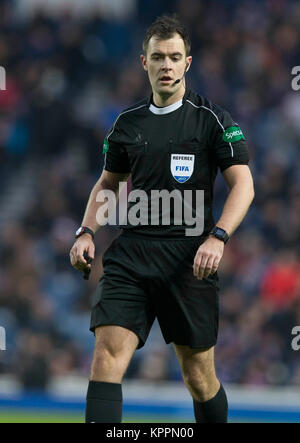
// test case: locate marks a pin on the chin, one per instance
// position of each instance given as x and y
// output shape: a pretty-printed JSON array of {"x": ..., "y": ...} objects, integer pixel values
[{"x": 166, "y": 89}]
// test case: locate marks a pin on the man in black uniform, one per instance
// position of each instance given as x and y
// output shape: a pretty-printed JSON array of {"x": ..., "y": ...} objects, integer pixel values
[{"x": 172, "y": 142}]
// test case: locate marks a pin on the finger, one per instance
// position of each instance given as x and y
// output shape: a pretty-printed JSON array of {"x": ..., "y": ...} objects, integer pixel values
[
  {"x": 91, "y": 251},
  {"x": 73, "y": 261},
  {"x": 80, "y": 260},
  {"x": 85, "y": 268},
  {"x": 202, "y": 267},
  {"x": 72, "y": 258},
  {"x": 80, "y": 266},
  {"x": 215, "y": 265},
  {"x": 209, "y": 266},
  {"x": 196, "y": 264}
]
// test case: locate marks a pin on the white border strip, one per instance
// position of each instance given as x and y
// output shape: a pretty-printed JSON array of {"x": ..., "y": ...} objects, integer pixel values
[{"x": 166, "y": 109}]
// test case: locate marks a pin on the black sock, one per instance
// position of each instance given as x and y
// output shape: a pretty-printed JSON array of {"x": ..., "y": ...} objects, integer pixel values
[
  {"x": 103, "y": 402},
  {"x": 214, "y": 410}
]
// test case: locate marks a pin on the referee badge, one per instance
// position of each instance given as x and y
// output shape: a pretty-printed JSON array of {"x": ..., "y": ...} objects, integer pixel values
[{"x": 182, "y": 166}]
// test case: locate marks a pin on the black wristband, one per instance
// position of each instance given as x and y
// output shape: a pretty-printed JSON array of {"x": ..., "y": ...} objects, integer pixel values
[
  {"x": 84, "y": 230},
  {"x": 220, "y": 234}
]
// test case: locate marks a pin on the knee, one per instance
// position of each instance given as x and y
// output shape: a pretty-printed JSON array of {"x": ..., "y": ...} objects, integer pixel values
[
  {"x": 107, "y": 364},
  {"x": 114, "y": 348},
  {"x": 201, "y": 386},
  {"x": 104, "y": 357}
]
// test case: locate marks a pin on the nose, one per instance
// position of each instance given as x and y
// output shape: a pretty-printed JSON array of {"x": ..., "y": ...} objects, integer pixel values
[{"x": 167, "y": 64}]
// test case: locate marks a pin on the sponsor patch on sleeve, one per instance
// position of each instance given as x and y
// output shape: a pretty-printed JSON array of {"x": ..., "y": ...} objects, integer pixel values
[
  {"x": 233, "y": 134},
  {"x": 105, "y": 146}
]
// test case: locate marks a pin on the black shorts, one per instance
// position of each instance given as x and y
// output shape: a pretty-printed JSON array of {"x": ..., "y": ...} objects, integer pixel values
[{"x": 145, "y": 278}]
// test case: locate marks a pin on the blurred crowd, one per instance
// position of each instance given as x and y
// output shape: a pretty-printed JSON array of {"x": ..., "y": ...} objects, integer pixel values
[{"x": 68, "y": 77}]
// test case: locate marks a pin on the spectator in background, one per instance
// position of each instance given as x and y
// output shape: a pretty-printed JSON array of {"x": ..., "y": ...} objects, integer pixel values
[
  {"x": 280, "y": 285},
  {"x": 62, "y": 95}
]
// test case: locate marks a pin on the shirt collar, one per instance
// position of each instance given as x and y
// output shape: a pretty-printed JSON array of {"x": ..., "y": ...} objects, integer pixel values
[{"x": 167, "y": 109}]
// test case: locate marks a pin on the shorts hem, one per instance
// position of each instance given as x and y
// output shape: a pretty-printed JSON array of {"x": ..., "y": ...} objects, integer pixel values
[
  {"x": 205, "y": 346},
  {"x": 138, "y": 334}
]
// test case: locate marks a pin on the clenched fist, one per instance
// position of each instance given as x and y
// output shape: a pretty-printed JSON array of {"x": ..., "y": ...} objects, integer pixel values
[{"x": 83, "y": 245}]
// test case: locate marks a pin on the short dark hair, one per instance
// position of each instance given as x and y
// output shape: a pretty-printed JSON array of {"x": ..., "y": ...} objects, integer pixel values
[{"x": 164, "y": 28}]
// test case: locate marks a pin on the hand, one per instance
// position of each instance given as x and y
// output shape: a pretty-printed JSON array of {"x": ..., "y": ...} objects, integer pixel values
[
  {"x": 208, "y": 257},
  {"x": 84, "y": 244}
]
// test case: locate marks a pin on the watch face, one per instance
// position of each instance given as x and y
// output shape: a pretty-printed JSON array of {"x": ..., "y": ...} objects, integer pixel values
[
  {"x": 220, "y": 234},
  {"x": 79, "y": 230}
]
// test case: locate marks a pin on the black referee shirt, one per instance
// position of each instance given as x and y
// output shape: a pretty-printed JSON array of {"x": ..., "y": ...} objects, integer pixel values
[{"x": 179, "y": 147}]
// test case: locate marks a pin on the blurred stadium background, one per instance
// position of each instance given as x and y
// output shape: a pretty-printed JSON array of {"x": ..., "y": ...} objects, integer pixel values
[{"x": 72, "y": 66}]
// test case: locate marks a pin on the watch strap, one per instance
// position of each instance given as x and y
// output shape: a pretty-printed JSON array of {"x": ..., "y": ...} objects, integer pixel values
[
  {"x": 84, "y": 230},
  {"x": 220, "y": 233}
]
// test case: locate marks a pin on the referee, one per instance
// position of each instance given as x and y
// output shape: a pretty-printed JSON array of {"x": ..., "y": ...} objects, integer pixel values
[{"x": 173, "y": 141}]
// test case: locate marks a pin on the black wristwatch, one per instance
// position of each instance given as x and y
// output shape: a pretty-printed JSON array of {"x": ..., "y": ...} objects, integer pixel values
[
  {"x": 84, "y": 230},
  {"x": 220, "y": 234}
]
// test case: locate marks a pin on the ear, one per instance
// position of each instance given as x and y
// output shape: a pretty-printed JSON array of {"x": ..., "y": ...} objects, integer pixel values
[
  {"x": 188, "y": 63},
  {"x": 144, "y": 62}
]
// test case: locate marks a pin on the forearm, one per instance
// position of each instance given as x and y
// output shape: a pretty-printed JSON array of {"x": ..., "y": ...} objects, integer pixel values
[
  {"x": 236, "y": 207},
  {"x": 90, "y": 218}
]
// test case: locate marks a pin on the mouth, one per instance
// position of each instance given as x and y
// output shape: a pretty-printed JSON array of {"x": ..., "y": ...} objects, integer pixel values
[{"x": 165, "y": 80}]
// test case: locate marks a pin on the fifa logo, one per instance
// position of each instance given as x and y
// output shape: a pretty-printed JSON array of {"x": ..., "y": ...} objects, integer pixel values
[
  {"x": 182, "y": 168},
  {"x": 2, "y": 79},
  {"x": 2, "y": 339}
]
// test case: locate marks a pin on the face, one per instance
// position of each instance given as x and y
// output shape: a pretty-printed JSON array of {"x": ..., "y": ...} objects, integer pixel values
[{"x": 165, "y": 63}]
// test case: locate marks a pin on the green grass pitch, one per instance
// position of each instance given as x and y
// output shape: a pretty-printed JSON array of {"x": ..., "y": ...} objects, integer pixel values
[{"x": 11, "y": 416}]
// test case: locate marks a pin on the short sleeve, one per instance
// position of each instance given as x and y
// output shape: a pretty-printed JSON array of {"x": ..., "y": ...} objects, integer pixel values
[
  {"x": 116, "y": 158},
  {"x": 227, "y": 140}
]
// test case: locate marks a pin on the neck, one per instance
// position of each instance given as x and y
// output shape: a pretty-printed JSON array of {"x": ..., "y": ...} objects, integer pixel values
[{"x": 162, "y": 100}]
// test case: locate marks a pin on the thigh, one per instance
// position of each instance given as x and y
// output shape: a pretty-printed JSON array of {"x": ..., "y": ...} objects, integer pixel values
[
  {"x": 113, "y": 351},
  {"x": 188, "y": 312},
  {"x": 116, "y": 341},
  {"x": 187, "y": 309},
  {"x": 120, "y": 299}
]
